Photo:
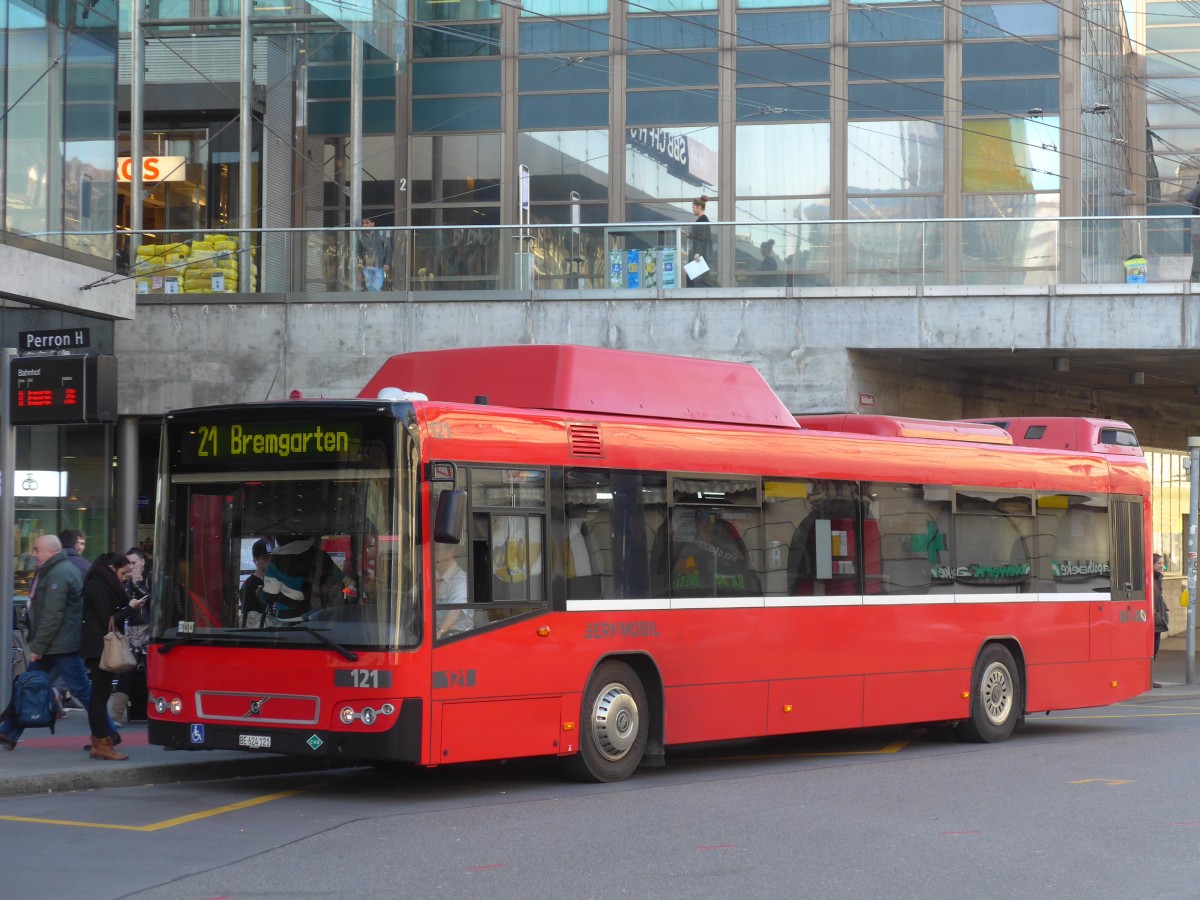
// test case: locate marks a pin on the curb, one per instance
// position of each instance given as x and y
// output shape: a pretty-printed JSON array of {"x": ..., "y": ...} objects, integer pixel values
[
  {"x": 1168, "y": 692},
  {"x": 116, "y": 774}
]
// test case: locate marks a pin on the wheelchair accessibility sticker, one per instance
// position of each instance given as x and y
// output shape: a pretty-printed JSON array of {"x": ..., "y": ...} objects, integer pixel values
[{"x": 196, "y": 736}]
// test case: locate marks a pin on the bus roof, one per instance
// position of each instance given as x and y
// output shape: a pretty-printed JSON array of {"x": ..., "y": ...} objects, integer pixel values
[
  {"x": 588, "y": 380},
  {"x": 900, "y": 426}
]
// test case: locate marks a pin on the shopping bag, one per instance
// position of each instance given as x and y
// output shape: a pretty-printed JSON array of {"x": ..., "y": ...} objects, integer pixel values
[
  {"x": 696, "y": 268},
  {"x": 117, "y": 657}
]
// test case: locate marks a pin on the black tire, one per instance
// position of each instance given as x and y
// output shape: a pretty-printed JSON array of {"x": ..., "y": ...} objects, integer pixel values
[
  {"x": 996, "y": 697},
  {"x": 613, "y": 724}
]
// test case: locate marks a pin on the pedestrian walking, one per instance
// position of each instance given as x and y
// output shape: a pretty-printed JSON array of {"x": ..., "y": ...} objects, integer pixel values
[
  {"x": 700, "y": 240},
  {"x": 57, "y": 622},
  {"x": 105, "y": 606},
  {"x": 1162, "y": 619}
]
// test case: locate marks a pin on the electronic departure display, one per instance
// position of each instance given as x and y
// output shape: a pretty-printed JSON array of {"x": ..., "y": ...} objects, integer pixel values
[{"x": 63, "y": 390}]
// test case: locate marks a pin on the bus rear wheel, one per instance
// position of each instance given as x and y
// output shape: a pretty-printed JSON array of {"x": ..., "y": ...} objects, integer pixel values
[
  {"x": 995, "y": 697},
  {"x": 613, "y": 725}
]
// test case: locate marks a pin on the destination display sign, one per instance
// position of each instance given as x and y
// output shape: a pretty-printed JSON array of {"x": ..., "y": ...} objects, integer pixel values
[{"x": 329, "y": 440}]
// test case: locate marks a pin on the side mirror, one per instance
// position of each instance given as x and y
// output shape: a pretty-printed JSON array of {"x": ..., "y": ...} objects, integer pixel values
[{"x": 451, "y": 519}]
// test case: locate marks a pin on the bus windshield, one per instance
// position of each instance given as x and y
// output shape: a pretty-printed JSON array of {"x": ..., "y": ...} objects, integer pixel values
[{"x": 296, "y": 549}]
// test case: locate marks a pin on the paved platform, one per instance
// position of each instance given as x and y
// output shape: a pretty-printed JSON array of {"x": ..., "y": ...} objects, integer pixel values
[{"x": 46, "y": 762}]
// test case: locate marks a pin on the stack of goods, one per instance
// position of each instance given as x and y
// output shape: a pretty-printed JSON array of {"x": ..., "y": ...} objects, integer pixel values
[
  {"x": 159, "y": 267},
  {"x": 212, "y": 267}
]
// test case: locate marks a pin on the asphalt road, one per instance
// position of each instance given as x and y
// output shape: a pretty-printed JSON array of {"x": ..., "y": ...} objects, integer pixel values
[{"x": 1087, "y": 804}]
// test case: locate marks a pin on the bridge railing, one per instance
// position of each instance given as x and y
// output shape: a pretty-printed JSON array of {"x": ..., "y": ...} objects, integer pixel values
[{"x": 655, "y": 256}]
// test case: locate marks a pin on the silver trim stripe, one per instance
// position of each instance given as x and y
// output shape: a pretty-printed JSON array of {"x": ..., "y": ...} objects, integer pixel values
[
  {"x": 251, "y": 721},
  {"x": 662, "y": 605}
]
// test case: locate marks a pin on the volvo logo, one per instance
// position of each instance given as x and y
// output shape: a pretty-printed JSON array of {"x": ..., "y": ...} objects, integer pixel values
[{"x": 255, "y": 707}]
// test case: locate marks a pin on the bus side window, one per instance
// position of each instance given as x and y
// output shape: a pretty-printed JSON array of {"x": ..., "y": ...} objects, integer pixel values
[
  {"x": 589, "y": 555},
  {"x": 815, "y": 527},
  {"x": 909, "y": 547},
  {"x": 1075, "y": 532},
  {"x": 612, "y": 519},
  {"x": 481, "y": 559},
  {"x": 708, "y": 557}
]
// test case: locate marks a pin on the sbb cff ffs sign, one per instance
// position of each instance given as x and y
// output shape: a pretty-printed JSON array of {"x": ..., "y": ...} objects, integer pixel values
[{"x": 62, "y": 390}]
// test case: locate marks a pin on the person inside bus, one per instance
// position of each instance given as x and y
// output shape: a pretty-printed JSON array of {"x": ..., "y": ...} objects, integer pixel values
[
  {"x": 299, "y": 568},
  {"x": 252, "y": 588},
  {"x": 450, "y": 591}
]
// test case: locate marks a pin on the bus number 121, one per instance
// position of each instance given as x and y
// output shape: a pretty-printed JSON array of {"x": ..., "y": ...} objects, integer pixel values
[{"x": 362, "y": 678}]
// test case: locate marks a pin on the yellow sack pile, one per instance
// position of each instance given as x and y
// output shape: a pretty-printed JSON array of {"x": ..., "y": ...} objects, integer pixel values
[
  {"x": 158, "y": 264},
  {"x": 212, "y": 266}
]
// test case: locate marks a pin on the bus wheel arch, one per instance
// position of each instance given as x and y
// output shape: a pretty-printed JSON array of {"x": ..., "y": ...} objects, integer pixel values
[
  {"x": 620, "y": 723},
  {"x": 997, "y": 701}
]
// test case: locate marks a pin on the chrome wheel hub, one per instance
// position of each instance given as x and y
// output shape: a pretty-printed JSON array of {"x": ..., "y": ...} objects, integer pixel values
[
  {"x": 997, "y": 694},
  {"x": 614, "y": 721}
]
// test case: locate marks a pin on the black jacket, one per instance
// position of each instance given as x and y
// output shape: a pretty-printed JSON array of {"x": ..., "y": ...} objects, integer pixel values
[{"x": 104, "y": 597}]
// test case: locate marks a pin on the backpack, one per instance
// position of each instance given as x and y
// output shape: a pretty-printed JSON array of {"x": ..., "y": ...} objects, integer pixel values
[{"x": 34, "y": 704}]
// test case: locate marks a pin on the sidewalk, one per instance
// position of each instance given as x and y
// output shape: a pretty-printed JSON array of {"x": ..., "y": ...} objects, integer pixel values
[
  {"x": 57, "y": 762},
  {"x": 1170, "y": 669}
]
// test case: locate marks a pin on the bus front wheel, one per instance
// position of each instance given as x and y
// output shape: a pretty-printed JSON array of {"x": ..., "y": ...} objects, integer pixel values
[
  {"x": 995, "y": 697},
  {"x": 613, "y": 725}
]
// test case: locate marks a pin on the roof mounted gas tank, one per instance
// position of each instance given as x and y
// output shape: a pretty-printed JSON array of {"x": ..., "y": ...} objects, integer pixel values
[
  {"x": 589, "y": 380},
  {"x": 905, "y": 427}
]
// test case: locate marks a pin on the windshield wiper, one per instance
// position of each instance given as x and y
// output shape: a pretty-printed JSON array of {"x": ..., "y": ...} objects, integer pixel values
[
  {"x": 185, "y": 639},
  {"x": 324, "y": 639},
  {"x": 320, "y": 636}
]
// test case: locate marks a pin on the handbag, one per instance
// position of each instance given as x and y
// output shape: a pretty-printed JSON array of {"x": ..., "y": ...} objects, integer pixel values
[{"x": 117, "y": 657}]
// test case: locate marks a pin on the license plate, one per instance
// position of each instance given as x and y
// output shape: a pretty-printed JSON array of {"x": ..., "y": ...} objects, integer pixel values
[{"x": 258, "y": 741}]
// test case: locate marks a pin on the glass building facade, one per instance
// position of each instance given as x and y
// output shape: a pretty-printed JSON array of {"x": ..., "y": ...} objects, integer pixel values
[
  {"x": 787, "y": 115},
  {"x": 58, "y": 133}
]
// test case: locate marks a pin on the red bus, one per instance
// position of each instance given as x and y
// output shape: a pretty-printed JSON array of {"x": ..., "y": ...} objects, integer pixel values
[{"x": 597, "y": 554}]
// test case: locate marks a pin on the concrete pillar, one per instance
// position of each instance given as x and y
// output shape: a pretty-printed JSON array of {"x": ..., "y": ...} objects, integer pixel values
[{"x": 127, "y": 488}]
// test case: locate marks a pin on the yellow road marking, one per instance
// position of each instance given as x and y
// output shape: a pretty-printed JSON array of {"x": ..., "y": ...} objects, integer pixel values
[
  {"x": 894, "y": 747},
  {"x": 1107, "y": 782},
  {"x": 158, "y": 826}
]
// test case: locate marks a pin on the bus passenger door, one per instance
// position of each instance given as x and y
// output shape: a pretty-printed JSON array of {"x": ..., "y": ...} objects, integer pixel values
[
  {"x": 1132, "y": 614},
  {"x": 485, "y": 642}
]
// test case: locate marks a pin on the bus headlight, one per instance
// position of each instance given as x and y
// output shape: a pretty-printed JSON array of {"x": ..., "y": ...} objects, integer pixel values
[
  {"x": 162, "y": 704},
  {"x": 366, "y": 715}
]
